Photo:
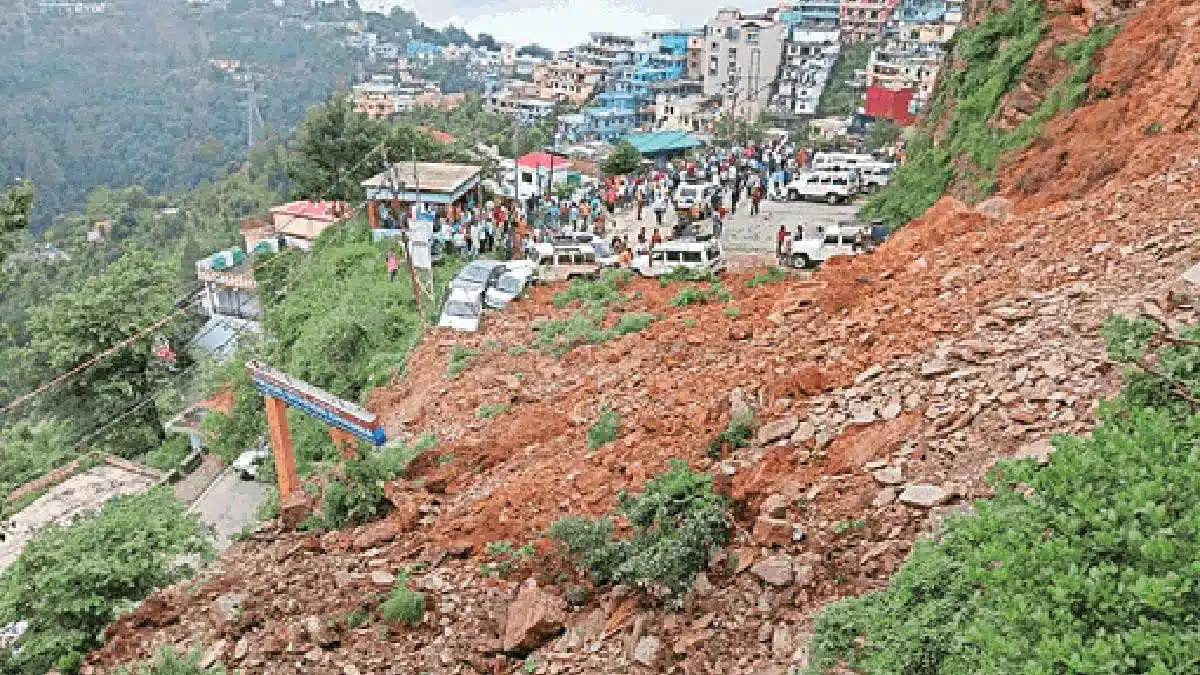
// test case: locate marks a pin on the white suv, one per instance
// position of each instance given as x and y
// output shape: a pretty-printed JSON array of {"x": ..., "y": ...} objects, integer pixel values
[{"x": 833, "y": 187}]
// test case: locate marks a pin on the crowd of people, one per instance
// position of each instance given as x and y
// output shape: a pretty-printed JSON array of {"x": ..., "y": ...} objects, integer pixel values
[{"x": 731, "y": 176}]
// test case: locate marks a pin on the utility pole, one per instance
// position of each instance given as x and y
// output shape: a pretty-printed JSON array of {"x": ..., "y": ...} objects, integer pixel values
[{"x": 412, "y": 273}]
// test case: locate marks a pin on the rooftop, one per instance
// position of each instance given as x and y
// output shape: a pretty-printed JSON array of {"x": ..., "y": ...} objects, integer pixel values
[
  {"x": 536, "y": 159},
  {"x": 431, "y": 176},
  {"x": 328, "y": 211},
  {"x": 663, "y": 141}
]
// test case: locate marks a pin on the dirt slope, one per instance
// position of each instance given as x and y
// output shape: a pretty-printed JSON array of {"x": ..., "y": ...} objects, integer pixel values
[{"x": 971, "y": 335}]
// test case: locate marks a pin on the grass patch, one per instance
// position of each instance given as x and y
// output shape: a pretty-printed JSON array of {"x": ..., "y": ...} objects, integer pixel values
[
  {"x": 167, "y": 662},
  {"x": 598, "y": 293},
  {"x": 839, "y": 99},
  {"x": 1152, "y": 128},
  {"x": 847, "y": 525},
  {"x": 770, "y": 276},
  {"x": 697, "y": 274},
  {"x": 560, "y": 336},
  {"x": 460, "y": 359},
  {"x": 507, "y": 557},
  {"x": 491, "y": 410},
  {"x": 736, "y": 434},
  {"x": 732, "y": 312},
  {"x": 356, "y": 497},
  {"x": 605, "y": 429},
  {"x": 695, "y": 295},
  {"x": 404, "y": 604}
]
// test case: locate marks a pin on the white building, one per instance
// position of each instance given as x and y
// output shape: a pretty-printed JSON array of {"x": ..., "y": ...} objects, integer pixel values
[
  {"x": 809, "y": 56},
  {"x": 742, "y": 53},
  {"x": 72, "y": 7},
  {"x": 693, "y": 114}
]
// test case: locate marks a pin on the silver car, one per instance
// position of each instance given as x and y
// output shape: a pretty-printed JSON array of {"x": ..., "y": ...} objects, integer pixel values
[
  {"x": 462, "y": 310},
  {"x": 477, "y": 276},
  {"x": 508, "y": 288}
]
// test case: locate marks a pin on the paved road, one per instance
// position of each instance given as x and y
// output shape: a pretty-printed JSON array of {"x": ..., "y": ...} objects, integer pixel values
[
  {"x": 742, "y": 231},
  {"x": 229, "y": 505}
]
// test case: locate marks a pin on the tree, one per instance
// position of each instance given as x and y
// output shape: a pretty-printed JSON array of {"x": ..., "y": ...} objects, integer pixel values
[
  {"x": 72, "y": 581},
  {"x": 72, "y": 327},
  {"x": 882, "y": 134},
  {"x": 486, "y": 41},
  {"x": 624, "y": 159},
  {"x": 15, "y": 207},
  {"x": 338, "y": 148},
  {"x": 536, "y": 51}
]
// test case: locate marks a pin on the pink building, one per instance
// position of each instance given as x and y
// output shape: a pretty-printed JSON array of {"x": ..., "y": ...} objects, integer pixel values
[{"x": 865, "y": 19}]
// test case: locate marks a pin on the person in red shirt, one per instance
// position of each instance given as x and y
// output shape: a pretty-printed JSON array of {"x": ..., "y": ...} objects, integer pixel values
[
  {"x": 610, "y": 199},
  {"x": 779, "y": 237}
]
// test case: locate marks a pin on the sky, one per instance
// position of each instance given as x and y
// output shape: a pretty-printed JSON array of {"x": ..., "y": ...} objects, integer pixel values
[{"x": 557, "y": 24}]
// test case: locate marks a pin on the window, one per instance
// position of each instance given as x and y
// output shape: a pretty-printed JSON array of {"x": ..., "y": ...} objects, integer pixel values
[
  {"x": 672, "y": 256},
  {"x": 832, "y": 238},
  {"x": 657, "y": 257},
  {"x": 692, "y": 257}
]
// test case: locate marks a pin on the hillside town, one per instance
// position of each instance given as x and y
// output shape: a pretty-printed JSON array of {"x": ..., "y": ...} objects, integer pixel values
[{"x": 832, "y": 337}]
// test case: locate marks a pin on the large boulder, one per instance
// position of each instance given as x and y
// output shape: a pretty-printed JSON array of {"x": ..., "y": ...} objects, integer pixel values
[{"x": 533, "y": 618}]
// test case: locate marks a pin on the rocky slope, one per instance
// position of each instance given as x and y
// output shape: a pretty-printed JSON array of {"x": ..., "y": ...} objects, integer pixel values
[{"x": 886, "y": 386}]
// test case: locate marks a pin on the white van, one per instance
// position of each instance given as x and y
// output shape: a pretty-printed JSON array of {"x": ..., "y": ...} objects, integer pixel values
[
  {"x": 692, "y": 254},
  {"x": 821, "y": 244},
  {"x": 563, "y": 262},
  {"x": 841, "y": 161},
  {"x": 876, "y": 175},
  {"x": 832, "y": 187}
]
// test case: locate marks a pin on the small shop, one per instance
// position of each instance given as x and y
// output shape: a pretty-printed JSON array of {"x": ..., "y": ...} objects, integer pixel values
[{"x": 421, "y": 190}]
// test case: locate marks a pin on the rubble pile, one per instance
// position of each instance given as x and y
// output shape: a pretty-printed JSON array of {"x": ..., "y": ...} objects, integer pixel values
[{"x": 884, "y": 388}]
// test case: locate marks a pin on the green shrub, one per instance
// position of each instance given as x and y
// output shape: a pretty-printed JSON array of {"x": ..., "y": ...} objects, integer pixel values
[
  {"x": 737, "y": 434},
  {"x": 356, "y": 497},
  {"x": 1153, "y": 128},
  {"x": 694, "y": 295},
  {"x": 357, "y": 618},
  {"x": 605, "y": 429},
  {"x": 732, "y": 312},
  {"x": 1085, "y": 565},
  {"x": 577, "y": 595},
  {"x": 678, "y": 522},
  {"x": 404, "y": 604},
  {"x": 596, "y": 294},
  {"x": 689, "y": 322},
  {"x": 561, "y": 336},
  {"x": 633, "y": 322},
  {"x": 460, "y": 358},
  {"x": 771, "y": 275},
  {"x": 697, "y": 274},
  {"x": 491, "y": 410},
  {"x": 167, "y": 662},
  {"x": 507, "y": 556},
  {"x": 169, "y": 454},
  {"x": 845, "y": 525}
]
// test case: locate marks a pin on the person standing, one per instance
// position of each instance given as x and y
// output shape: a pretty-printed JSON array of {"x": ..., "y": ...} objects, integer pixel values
[
  {"x": 780, "y": 237},
  {"x": 755, "y": 199},
  {"x": 393, "y": 264},
  {"x": 660, "y": 207}
]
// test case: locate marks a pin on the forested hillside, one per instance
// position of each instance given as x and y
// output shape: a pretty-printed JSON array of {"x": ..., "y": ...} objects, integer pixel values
[{"x": 130, "y": 97}]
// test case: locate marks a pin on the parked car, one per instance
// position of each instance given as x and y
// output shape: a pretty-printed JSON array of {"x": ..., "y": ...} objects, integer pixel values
[
  {"x": 563, "y": 262},
  {"x": 833, "y": 187},
  {"x": 462, "y": 310},
  {"x": 475, "y": 277},
  {"x": 692, "y": 254},
  {"x": 695, "y": 198},
  {"x": 604, "y": 252},
  {"x": 247, "y": 463},
  {"x": 509, "y": 287}
]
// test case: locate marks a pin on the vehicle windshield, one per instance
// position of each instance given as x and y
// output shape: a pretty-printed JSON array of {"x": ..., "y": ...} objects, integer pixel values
[
  {"x": 461, "y": 308},
  {"x": 509, "y": 284},
  {"x": 687, "y": 193},
  {"x": 475, "y": 273},
  {"x": 602, "y": 249}
]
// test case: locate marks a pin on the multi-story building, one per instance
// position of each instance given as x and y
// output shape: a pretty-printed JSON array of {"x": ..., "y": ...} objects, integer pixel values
[
  {"x": 520, "y": 101},
  {"x": 910, "y": 59},
  {"x": 813, "y": 13},
  {"x": 865, "y": 20},
  {"x": 569, "y": 81},
  {"x": 692, "y": 113},
  {"x": 695, "y": 56},
  {"x": 742, "y": 57},
  {"x": 72, "y": 7},
  {"x": 384, "y": 96},
  {"x": 809, "y": 55},
  {"x": 607, "y": 52}
]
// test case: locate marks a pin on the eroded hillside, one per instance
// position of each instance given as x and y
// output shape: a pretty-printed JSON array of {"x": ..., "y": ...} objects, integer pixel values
[{"x": 884, "y": 387}]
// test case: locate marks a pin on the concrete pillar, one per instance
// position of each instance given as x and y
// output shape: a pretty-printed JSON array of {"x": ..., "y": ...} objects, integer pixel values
[{"x": 372, "y": 214}]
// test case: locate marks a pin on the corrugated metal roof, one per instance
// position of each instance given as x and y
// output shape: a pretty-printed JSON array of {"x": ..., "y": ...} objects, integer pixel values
[{"x": 663, "y": 141}]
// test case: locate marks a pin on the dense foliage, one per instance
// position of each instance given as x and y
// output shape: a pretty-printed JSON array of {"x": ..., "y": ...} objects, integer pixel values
[
  {"x": 403, "y": 603},
  {"x": 841, "y": 98},
  {"x": 678, "y": 523},
  {"x": 957, "y": 145},
  {"x": 15, "y": 207},
  {"x": 1086, "y": 565},
  {"x": 624, "y": 159},
  {"x": 71, "y": 581}
]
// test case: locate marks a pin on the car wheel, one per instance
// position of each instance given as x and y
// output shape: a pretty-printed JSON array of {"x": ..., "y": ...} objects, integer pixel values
[
  {"x": 793, "y": 196},
  {"x": 804, "y": 261},
  {"x": 831, "y": 199}
]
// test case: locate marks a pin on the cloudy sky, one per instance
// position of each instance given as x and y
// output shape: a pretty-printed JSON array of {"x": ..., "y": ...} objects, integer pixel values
[{"x": 557, "y": 23}]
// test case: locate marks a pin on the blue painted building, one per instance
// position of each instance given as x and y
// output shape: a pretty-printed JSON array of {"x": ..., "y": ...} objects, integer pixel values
[
  {"x": 919, "y": 11},
  {"x": 605, "y": 124},
  {"x": 673, "y": 42},
  {"x": 617, "y": 100},
  {"x": 812, "y": 13},
  {"x": 421, "y": 49}
]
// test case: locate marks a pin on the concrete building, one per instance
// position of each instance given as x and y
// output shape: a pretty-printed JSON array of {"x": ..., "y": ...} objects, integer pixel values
[
  {"x": 695, "y": 56},
  {"x": 809, "y": 56},
  {"x": 910, "y": 59},
  {"x": 72, "y": 7},
  {"x": 694, "y": 114},
  {"x": 607, "y": 52},
  {"x": 568, "y": 81},
  {"x": 813, "y": 13},
  {"x": 865, "y": 19},
  {"x": 742, "y": 57}
]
